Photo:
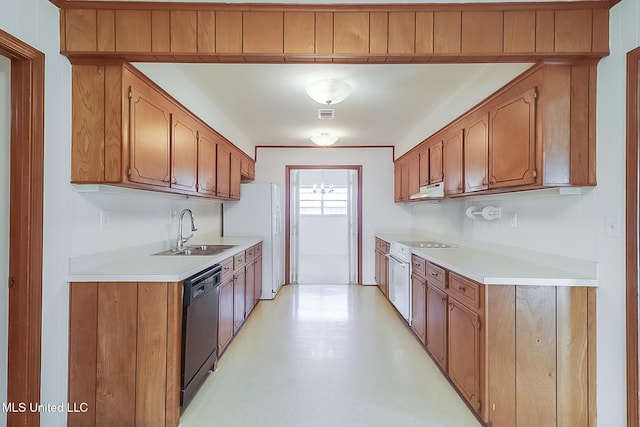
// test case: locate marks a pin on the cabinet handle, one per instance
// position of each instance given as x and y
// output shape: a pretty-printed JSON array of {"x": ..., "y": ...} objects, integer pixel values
[
  {"x": 462, "y": 288},
  {"x": 450, "y": 306},
  {"x": 444, "y": 300},
  {"x": 434, "y": 274},
  {"x": 484, "y": 181}
]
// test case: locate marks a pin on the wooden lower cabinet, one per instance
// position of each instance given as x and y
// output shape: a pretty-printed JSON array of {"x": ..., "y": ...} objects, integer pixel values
[
  {"x": 382, "y": 266},
  {"x": 520, "y": 356},
  {"x": 464, "y": 352},
  {"x": 238, "y": 300},
  {"x": 225, "y": 315},
  {"x": 436, "y": 324},
  {"x": 124, "y": 353},
  {"x": 418, "y": 304},
  {"x": 257, "y": 289},
  {"x": 249, "y": 287}
]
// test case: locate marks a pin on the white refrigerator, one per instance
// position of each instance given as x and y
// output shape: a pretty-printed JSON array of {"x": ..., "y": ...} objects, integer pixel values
[{"x": 258, "y": 213}]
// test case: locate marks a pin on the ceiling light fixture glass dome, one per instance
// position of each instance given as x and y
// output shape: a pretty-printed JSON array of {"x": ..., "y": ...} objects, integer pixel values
[
  {"x": 329, "y": 92},
  {"x": 324, "y": 139}
]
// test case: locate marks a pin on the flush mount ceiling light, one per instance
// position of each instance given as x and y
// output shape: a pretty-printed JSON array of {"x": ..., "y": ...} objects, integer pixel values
[
  {"x": 330, "y": 91},
  {"x": 324, "y": 139}
]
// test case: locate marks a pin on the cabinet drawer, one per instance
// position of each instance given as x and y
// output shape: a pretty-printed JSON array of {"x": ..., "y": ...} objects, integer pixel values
[
  {"x": 386, "y": 246},
  {"x": 465, "y": 290},
  {"x": 227, "y": 268},
  {"x": 418, "y": 265},
  {"x": 379, "y": 244},
  {"x": 250, "y": 254},
  {"x": 239, "y": 260},
  {"x": 436, "y": 276},
  {"x": 257, "y": 250}
]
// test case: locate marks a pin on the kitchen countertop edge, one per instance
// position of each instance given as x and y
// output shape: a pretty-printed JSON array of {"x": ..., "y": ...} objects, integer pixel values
[
  {"x": 493, "y": 269},
  {"x": 146, "y": 267}
]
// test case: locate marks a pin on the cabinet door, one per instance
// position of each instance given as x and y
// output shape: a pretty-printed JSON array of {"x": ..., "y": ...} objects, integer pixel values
[
  {"x": 206, "y": 164},
  {"x": 512, "y": 140},
  {"x": 235, "y": 177},
  {"x": 464, "y": 351},
  {"x": 476, "y": 152},
  {"x": 424, "y": 167},
  {"x": 184, "y": 152},
  {"x": 397, "y": 182},
  {"x": 452, "y": 159},
  {"x": 249, "y": 291},
  {"x": 435, "y": 163},
  {"x": 225, "y": 315},
  {"x": 404, "y": 187},
  {"x": 238, "y": 300},
  {"x": 223, "y": 174},
  {"x": 149, "y": 136},
  {"x": 437, "y": 324},
  {"x": 418, "y": 304},
  {"x": 414, "y": 175},
  {"x": 257, "y": 287}
]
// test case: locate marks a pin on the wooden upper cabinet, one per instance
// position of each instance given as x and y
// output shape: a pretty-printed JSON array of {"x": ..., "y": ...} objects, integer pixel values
[
  {"x": 234, "y": 176},
  {"x": 397, "y": 182},
  {"x": 184, "y": 152},
  {"x": 207, "y": 163},
  {"x": 452, "y": 163},
  {"x": 512, "y": 141},
  {"x": 476, "y": 152},
  {"x": 149, "y": 135},
  {"x": 414, "y": 175},
  {"x": 424, "y": 167},
  {"x": 126, "y": 131},
  {"x": 223, "y": 175},
  {"x": 435, "y": 163}
]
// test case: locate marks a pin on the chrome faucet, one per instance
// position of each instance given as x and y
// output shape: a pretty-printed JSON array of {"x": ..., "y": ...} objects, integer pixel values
[{"x": 183, "y": 240}]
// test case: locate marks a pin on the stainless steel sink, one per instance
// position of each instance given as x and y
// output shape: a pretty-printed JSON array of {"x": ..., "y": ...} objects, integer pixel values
[{"x": 195, "y": 250}]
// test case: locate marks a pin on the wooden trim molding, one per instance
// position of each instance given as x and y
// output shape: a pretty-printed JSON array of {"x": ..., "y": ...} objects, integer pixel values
[
  {"x": 25, "y": 227},
  {"x": 632, "y": 237},
  {"x": 314, "y": 147},
  {"x": 287, "y": 215},
  {"x": 349, "y": 33}
]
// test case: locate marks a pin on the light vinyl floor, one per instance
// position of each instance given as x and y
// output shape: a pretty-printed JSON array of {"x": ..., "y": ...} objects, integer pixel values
[{"x": 326, "y": 355}]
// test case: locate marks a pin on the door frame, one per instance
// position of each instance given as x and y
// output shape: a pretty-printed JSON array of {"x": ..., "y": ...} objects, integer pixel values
[
  {"x": 632, "y": 236},
  {"x": 287, "y": 215},
  {"x": 25, "y": 227}
]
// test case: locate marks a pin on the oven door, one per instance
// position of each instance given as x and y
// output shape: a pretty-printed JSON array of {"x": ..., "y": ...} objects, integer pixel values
[{"x": 400, "y": 286}]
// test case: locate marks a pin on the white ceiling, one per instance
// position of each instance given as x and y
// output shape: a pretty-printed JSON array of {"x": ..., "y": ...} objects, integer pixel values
[{"x": 388, "y": 103}]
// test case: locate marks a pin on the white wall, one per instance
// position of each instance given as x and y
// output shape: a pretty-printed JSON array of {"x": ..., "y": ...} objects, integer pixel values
[
  {"x": 71, "y": 220},
  {"x": 379, "y": 213},
  {"x": 574, "y": 225},
  {"x": 5, "y": 152}
]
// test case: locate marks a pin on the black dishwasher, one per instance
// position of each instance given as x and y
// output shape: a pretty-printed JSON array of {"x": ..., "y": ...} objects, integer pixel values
[{"x": 199, "y": 329}]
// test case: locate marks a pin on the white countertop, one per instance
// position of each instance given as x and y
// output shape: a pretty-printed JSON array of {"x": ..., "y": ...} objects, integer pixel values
[
  {"x": 140, "y": 265},
  {"x": 492, "y": 268}
]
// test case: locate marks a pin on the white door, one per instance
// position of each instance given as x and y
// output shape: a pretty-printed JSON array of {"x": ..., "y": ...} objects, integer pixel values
[
  {"x": 324, "y": 228},
  {"x": 5, "y": 155}
]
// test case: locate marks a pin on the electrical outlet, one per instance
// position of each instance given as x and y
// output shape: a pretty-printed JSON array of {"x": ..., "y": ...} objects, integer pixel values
[
  {"x": 105, "y": 218},
  {"x": 513, "y": 220},
  {"x": 173, "y": 215},
  {"x": 613, "y": 226}
]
